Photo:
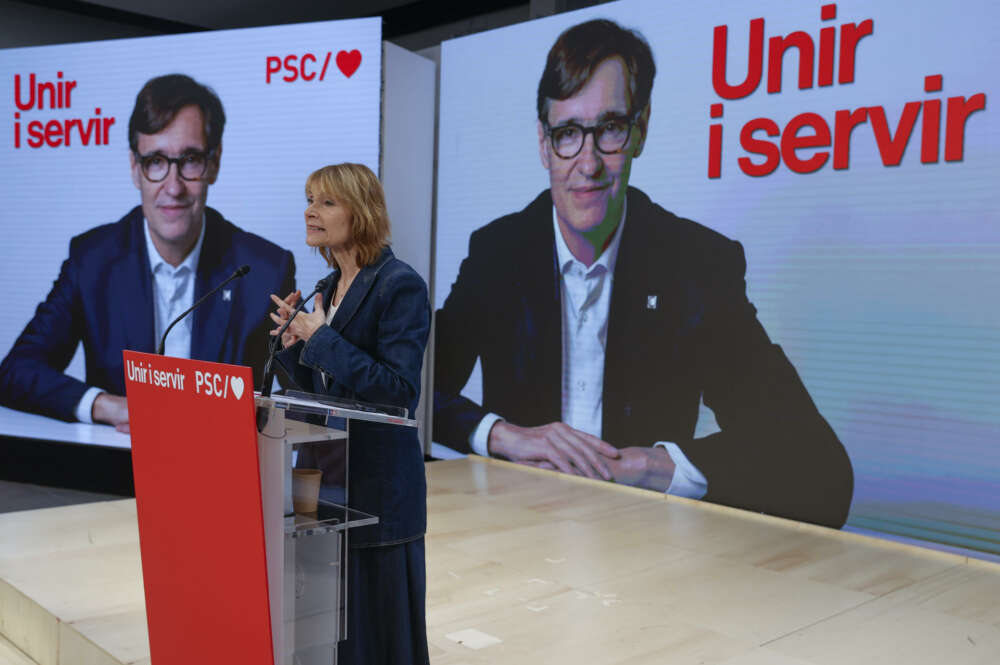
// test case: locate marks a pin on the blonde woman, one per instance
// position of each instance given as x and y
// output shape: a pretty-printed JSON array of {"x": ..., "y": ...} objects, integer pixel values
[{"x": 364, "y": 340}]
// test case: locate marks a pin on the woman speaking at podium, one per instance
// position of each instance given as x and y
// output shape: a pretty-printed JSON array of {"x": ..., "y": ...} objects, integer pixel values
[{"x": 365, "y": 340}]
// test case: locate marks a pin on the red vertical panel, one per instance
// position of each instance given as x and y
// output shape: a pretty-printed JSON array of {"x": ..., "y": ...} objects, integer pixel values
[{"x": 197, "y": 485}]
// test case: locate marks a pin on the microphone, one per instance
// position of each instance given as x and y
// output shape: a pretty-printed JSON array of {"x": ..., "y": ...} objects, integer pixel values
[
  {"x": 321, "y": 286},
  {"x": 242, "y": 270}
]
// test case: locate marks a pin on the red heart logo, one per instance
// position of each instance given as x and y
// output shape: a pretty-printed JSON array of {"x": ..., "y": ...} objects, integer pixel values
[{"x": 349, "y": 61}]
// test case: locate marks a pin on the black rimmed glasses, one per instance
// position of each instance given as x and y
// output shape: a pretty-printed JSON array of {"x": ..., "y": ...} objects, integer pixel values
[
  {"x": 191, "y": 165},
  {"x": 610, "y": 136}
]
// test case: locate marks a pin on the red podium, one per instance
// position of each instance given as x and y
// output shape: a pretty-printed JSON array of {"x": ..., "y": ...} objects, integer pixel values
[{"x": 231, "y": 572}]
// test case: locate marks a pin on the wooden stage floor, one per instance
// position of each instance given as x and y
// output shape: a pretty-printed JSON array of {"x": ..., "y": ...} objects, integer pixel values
[{"x": 528, "y": 566}]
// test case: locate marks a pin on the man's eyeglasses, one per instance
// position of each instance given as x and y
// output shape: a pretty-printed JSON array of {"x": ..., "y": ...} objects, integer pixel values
[
  {"x": 190, "y": 165},
  {"x": 610, "y": 136}
]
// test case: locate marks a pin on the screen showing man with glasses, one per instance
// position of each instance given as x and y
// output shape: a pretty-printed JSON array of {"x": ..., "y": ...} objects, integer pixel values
[
  {"x": 601, "y": 321},
  {"x": 123, "y": 283}
]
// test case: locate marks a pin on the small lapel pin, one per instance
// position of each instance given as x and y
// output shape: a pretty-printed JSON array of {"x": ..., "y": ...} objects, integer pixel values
[
  {"x": 650, "y": 302},
  {"x": 227, "y": 295}
]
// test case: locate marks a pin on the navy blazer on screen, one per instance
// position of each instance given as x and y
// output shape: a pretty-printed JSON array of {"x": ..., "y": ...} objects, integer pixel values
[
  {"x": 680, "y": 329},
  {"x": 104, "y": 298},
  {"x": 373, "y": 351}
]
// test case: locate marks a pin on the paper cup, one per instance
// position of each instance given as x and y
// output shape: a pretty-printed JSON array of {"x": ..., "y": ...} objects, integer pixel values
[{"x": 305, "y": 489}]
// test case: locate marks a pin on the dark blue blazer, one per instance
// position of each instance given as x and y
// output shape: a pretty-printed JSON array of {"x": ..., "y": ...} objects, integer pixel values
[
  {"x": 104, "y": 298},
  {"x": 373, "y": 351},
  {"x": 680, "y": 329}
]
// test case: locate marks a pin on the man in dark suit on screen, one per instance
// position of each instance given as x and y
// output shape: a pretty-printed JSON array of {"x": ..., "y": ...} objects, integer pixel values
[
  {"x": 602, "y": 320},
  {"x": 123, "y": 283}
]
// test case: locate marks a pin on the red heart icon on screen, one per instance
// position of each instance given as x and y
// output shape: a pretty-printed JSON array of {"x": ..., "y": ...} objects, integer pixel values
[{"x": 349, "y": 61}]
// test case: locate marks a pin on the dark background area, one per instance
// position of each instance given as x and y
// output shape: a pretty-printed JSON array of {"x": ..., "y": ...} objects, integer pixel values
[{"x": 414, "y": 25}]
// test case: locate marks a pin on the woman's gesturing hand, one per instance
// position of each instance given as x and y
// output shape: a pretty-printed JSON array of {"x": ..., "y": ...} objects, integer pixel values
[
  {"x": 304, "y": 325},
  {"x": 280, "y": 316}
]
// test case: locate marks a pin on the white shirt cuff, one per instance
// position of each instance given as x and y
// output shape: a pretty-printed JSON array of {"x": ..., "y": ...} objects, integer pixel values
[
  {"x": 480, "y": 438},
  {"x": 688, "y": 481},
  {"x": 85, "y": 408}
]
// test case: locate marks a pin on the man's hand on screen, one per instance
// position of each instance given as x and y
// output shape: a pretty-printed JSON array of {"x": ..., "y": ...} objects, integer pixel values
[
  {"x": 111, "y": 409},
  {"x": 556, "y": 445},
  {"x": 649, "y": 468}
]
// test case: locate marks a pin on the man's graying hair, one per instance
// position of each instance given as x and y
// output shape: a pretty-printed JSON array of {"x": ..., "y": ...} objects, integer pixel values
[
  {"x": 581, "y": 48},
  {"x": 163, "y": 97}
]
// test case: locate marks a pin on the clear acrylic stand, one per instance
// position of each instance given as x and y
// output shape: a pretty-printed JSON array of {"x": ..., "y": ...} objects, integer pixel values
[{"x": 307, "y": 550}]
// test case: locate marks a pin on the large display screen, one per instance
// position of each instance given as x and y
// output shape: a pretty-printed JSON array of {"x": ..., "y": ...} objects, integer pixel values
[
  {"x": 850, "y": 147},
  {"x": 295, "y": 98}
]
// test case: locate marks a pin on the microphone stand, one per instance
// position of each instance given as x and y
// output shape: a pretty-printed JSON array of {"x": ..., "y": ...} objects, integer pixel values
[{"x": 265, "y": 388}]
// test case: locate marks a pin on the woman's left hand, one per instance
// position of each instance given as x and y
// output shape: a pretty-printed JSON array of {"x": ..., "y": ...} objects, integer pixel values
[{"x": 306, "y": 323}]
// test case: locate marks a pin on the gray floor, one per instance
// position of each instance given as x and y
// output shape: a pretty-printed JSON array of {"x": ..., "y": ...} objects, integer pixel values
[{"x": 23, "y": 496}]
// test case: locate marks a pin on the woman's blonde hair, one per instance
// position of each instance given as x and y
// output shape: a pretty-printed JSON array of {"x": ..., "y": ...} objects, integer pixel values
[{"x": 358, "y": 189}]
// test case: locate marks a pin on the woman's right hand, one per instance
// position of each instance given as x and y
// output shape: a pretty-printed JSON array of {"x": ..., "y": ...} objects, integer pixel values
[{"x": 280, "y": 316}]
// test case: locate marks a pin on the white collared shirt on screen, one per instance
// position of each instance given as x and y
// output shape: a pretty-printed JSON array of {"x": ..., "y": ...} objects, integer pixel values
[
  {"x": 586, "y": 301},
  {"x": 173, "y": 293}
]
